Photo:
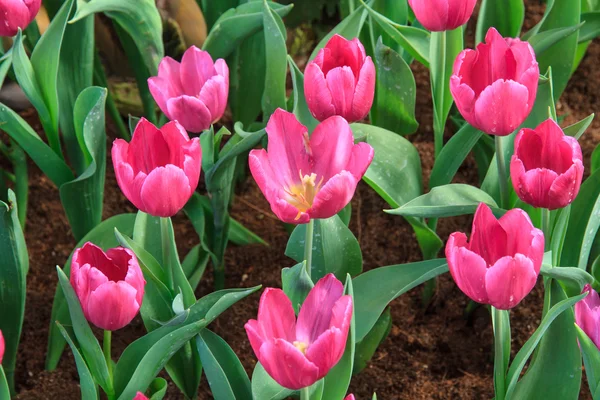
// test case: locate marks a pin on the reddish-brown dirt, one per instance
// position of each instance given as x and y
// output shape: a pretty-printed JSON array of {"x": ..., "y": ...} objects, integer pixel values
[{"x": 432, "y": 353}]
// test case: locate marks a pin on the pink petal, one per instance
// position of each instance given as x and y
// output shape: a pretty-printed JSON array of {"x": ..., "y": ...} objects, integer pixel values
[
  {"x": 501, "y": 108},
  {"x": 140, "y": 396},
  {"x": 318, "y": 96},
  {"x": 254, "y": 332},
  {"x": 276, "y": 318},
  {"x": 161, "y": 90},
  {"x": 332, "y": 143},
  {"x": 169, "y": 70},
  {"x": 459, "y": 12},
  {"x": 327, "y": 350},
  {"x": 344, "y": 52},
  {"x": 334, "y": 195},
  {"x": 176, "y": 139},
  {"x": 126, "y": 259},
  {"x": 509, "y": 281},
  {"x": 190, "y": 112},
  {"x": 588, "y": 319},
  {"x": 287, "y": 365},
  {"x": 362, "y": 155},
  {"x": 17, "y": 14},
  {"x": 350, "y": 397},
  {"x": 214, "y": 96},
  {"x": 566, "y": 187},
  {"x": 315, "y": 314},
  {"x": 197, "y": 67},
  {"x": 341, "y": 83},
  {"x": 193, "y": 162},
  {"x": 467, "y": 268},
  {"x": 364, "y": 91},
  {"x": 534, "y": 187},
  {"x": 165, "y": 191},
  {"x": 522, "y": 236},
  {"x": 488, "y": 237},
  {"x": 433, "y": 14},
  {"x": 112, "y": 305}
]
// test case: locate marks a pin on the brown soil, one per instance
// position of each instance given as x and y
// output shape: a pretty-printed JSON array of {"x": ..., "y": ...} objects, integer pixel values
[{"x": 432, "y": 353}]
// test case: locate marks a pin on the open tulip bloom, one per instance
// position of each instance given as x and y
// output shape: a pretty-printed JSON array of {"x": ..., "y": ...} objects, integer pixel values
[
  {"x": 442, "y": 15},
  {"x": 305, "y": 178},
  {"x": 17, "y": 14},
  {"x": 296, "y": 354}
]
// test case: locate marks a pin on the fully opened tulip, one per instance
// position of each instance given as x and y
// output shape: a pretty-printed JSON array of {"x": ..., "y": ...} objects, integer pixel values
[
  {"x": 501, "y": 262},
  {"x": 110, "y": 286},
  {"x": 495, "y": 86},
  {"x": 547, "y": 166},
  {"x": 340, "y": 81},
  {"x": 297, "y": 354},
  {"x": 442, "y": 15},
  {"x": 587, "y": 314},
  {"x": 306, "y": 178},
  {"x": 159, "y": 170},
  {"x": 15, "y": 14},
  {"x": 193, "y": 92}
]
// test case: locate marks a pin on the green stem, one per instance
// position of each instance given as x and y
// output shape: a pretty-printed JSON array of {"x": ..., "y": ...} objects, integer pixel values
[
  {"x": 546, "y": 227},
  {"x": 106, "y": 347},
  {"x": 19, "y": 161},
  {"x": 439, "y": 120},
  {"x": 502, "y": 179},
  {"x": 305, "y": 392},
  {"x": 308, "y": 245},
  {"x": 166, "y": 249},
  {"x": 500, "y": 322}
]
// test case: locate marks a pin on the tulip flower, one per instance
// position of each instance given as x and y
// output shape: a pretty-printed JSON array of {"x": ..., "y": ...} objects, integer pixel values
[
  {"x": 494, "y": 87},
  {"x": 140, "y": 396},
  {"x": 15, "y": 14},
  {"x": 297, "y": 354},
  {"x": 2, "y": 347},
  {"x": 110, "y": 286},
  {"x": 193, "y": 92},
  {"x": 587, "y": 314},
  {"x": 442, "y": 15},
  {"x": 340, "y": 81},
  {"x": 547, "y": 166},
  {"x": 501, "y": 263},
  {"x": 159, "y": 170},
  {"x": 306, "y": 178},
  {"x": 350, "y": 397}
]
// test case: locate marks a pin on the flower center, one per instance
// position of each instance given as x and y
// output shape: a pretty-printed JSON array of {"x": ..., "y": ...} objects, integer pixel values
[
  {"x": 301, "y": 346},
  {"x": 302, "y": 195}
]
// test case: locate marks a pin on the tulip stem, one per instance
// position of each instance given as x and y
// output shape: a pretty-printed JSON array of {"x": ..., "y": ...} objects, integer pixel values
[
  {"x": 546, "y": 227},
  {"x": 305, "y": 392},
  {"x": 308, "y": 245},
  {"x": 106, "y": 346},
  {"x": 501, "y": 324},
  {"x": 166, "y": 249},
  {"x": 502, "y": 180}
]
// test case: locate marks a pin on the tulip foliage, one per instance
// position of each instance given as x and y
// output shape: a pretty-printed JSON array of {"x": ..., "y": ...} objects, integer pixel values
[{"x": 239, "y": 106}]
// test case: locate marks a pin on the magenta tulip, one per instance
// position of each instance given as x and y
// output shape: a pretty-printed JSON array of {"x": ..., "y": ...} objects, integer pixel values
[
  {"x": 2, "y": 347},
  {"x": 159, "y": 170},
  {"x": 306, "y": 178},
  {"x": 350, "y": 397},
  {"x": 140, "y": 396},
  {"x": 501, "y": 263},
  {"x": 193, "y": 92},
  {"x": 110, "y": 286},
  {"x": 297, "y": 354},
  {"x": 547, "y": 166},
  {"x": 442, "y": 15},
  {"x": 495, "y": 86},
  {"x": 15, "y": 14},
  {"x": 587, "y": 314},
  {"x": 340, "y": 81}
]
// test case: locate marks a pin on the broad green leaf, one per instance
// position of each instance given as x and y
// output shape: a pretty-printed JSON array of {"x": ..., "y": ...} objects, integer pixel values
[
  {"x": 14, "y": 264},
  {"x": 242, "y": 236},
  {"x": 194, "y": 265},
  {"x": 505, "y": 15},
  {"x": 236, "y": 24},
  {"x": 349, "y": 28},
  {"x": 578, "y": 129},
  {"x": 335, "y": 249},
  {"x": 545, "y": 40},
  {"x": 296, "y": 284},
  {"x": 395, "y": 92},
  {"x": 591, "y": 359},
  {"x": 591, "y": 29},
  {"x": 397, "y": 11},
  {"x": 86, "y": 380},
  {"x": 158, "y": 389},
  {"x": 224, "y": 371},
  {"x": 366, "y": 348},
  {"x": 595, "y": 159},
  {"x": 82, "y": 198},
  {"x": 140, "y": 19},
  {"x": 274, "y": 95},
  {"x": 570, "y": 275},
  {"x": 4, "y": 389},
  {"x": 5, "y": 64},
  {"x": 265, "y": 388},
  {"x": 300, "y": 108},
  {"x": 376, "y": 288},
  {"x": 212, "y": 10},
  {"x": 446, "y": 201}
]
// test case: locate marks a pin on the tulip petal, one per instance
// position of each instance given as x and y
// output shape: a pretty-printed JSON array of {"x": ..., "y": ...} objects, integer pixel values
[
  {"x": 334, "y": 195},
  {"x": 341, "y": 83},
  {"x": 253, "y": 331},
  {"x": 488, "y": 237},
  {"x": 165, "y": 191},
  {"x": 327, "y": 350},
  {"x": 126, "y": 259},
  {"x": 169, "y": 69},
  {"x": 161, "y": 90},
  {"x": 190, "y": 112},
  {"x": 332, "y": 143},
  {"x": 565, "y": 188},
  {"x": 276, "y": 316},
  {"x": 467, "y": 268},
  {"x": 364, "y": 91},
  {"x": 509, "y": 280},
  {"x": 362, "y": 155},
  {"x": 342, "y": 51},
  {"x": 214, "y": 96},
  {"x": 519, "y": 232},
  {"x": 433, "y": 15},
  {"x": 155, "y": 152},
  {"x": 459, "y": 12},
  {"x": 534, "y": 186},
  {"x": 316, "y": 312},
  {"x": 287, "y": 365},
  {"x": 197, "y": 67},
  {"x": 501, "y": 107},
  {"x": 112, "y": 305},
  {"x": 318, "y": 96}
]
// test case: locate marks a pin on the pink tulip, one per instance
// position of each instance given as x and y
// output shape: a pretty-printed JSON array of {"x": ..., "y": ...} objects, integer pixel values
[
  {"x": 110, "y": 286},
  {"x": 340, "y": 81},
  {"x": 2, "y": 347},
  {"x": 140, "y": 396},
  {"x": 193, "y": 92},
  {"x": 442, "y": 15},
  {"x": 495, "y": 86},
  {"x": 159, "y": 170},
  {"x": 306, "y": 178},
  {"x": 297, "y": 354},
  {"x": 350, "y": 397},
  {"x": 15, "y": 14},
  {"x": 587, "y": 314},
  {"x": 547, "y": 166},
  {"x": 501, "y": 263}
]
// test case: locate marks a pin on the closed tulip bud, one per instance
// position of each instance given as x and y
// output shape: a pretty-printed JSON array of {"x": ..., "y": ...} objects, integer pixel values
[
  {"x": 15, "y": 14},
  {"x": 297, "y": 354},
  {"x": 587, "y": 314},
  {"x": 495, "y": 86},
  {"x": 340, "y": 81},
  {"x": 501, "y": 263},
  {"x": 160, "y": 169},
  {"x": 442, "y": 15},
  {"x": 110, "y": 286},
  {"x": 193, "y": 92},
  {"x": 305, "y": 178},
  {"x": 2, "y": 347},
  {"x": 547, "y": 166}
]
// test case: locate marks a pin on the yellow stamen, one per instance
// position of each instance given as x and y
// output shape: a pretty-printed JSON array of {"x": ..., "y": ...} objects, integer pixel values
[
  {"x": 303, "y": 194},
  {"x": 301, "y": 346}
]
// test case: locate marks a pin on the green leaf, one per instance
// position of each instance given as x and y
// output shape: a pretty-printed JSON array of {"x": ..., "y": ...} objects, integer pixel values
[
  {"x": 578, "y": 129},
  {"x": 242, "y": 236},
  {"x": 376, "y": 288},
  {"x": 349, "y": 28},
  {"x": 591, "y": 359},
  {"x": 506, "y": 16},
  {"x": 14, "y": 264},
  {"x": 398, "y": 12},
  {"x": 265, "y": 388},
  {"x": 335, "y": 249},
  {"x": 86, "y": 380},
  {"x": 140, "y": 19},
  {"x": 213, "y": 10},
  {"x": 4, "y": 389},
  {"x": 158, "y": 389},
  {"x": 224, "y": 371},
  {"x": 571, "y": 275},
  {"x": 523, "y": 355},
  {"x": 85, "y": 337},
  {"x": 82, "y": 198},
  {"x": 543, "y": 41},
  {"x": 559, "y": 233},
  {"x": 296, "y": 284},
  {"x": 366, "y": 348},
  {"x": 300, "y": 108},
  {"x": 237, "y": 24},
  {"x": 395, "y": 92},
  {"x": 591, "y": 29},
  {"x": 274, "y": 95},
  {"x": 5, "y": 64},
  {"x": 194, "y": 264},
  {"x": 446, "y": 201}
]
